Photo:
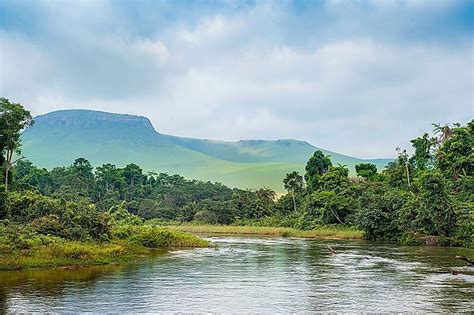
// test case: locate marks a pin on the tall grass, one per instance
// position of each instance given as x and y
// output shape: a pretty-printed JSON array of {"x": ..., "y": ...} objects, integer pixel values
[
  {"x": 23, "y": 249},
  {"x": 70, "y": 253},
  {"x": 325, "y": 232}
]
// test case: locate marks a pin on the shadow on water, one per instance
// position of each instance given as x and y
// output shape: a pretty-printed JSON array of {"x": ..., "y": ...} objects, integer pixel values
[
  {"x": 250, "y": 274},
  {"x": 47, "y": 284}
]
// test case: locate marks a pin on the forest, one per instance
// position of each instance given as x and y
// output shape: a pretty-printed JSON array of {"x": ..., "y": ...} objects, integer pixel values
[{"x": 421, "y": 198}]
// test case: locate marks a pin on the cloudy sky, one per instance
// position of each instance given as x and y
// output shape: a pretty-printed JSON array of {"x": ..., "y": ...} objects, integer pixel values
[{"x": 356, "y": 77}]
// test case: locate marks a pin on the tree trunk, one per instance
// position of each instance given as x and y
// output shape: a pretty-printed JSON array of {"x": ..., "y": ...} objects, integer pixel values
[
  {"x": 336, "y": 216},
  {"x": 408, "y": 174},
  {"x": 294, "y": 200},
  {"x": 8, "y": 165},
  {"x": 7, "y": 170}
]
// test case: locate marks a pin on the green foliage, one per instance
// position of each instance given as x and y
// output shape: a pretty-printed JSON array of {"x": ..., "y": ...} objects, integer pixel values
[
  {"x": 464, "y": 228},
  {"x": 13, "y": 119},
  {"x": 317, "y": 165},
  {"x": 366, "y": 170},
  {"x": 335, "y": 179},
  {"x": 156, "y": 237},
  {"x": 379, "y": 211},
  {"x": 325, "y": 207},
  {"x": 425, "y": 198},
  {"x": 455, "y": 156},
  {"x": 74, "y": 220},
  {"x": 437, "y": 209},
  {"x": 422, "y": 159},
  {"x": 293, "y": 182}
]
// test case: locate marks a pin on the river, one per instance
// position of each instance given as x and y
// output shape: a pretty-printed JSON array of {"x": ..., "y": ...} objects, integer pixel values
[{"x": 256, "y": 275}]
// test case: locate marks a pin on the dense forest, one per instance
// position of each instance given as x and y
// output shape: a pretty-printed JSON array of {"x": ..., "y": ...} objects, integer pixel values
[{"x": 423, "y": 198}]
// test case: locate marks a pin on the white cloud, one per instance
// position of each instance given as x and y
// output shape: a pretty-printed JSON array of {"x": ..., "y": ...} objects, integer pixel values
[
  {"x": 254, "y": 73},
  {"x": 210, "y": 29}
]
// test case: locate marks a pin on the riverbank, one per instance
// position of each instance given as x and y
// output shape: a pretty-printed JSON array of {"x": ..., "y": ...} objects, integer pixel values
[
  {"x": 130, "y": 243},
  {"x": 323, "y": 232}
]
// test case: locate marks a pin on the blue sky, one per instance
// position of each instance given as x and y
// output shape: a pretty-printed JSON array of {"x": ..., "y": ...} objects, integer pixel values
[{"x": 356, "y": 77}]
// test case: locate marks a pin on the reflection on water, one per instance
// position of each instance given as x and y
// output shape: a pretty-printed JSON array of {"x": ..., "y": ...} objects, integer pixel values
[{"x": 256, "y": 275}]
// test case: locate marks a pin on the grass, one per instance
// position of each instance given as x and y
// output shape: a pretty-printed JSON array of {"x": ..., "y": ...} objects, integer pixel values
[
  {"x": 47, "y": 252},
  {"x": 71, "y": 254},
  {"x": 323, "y": 232}
]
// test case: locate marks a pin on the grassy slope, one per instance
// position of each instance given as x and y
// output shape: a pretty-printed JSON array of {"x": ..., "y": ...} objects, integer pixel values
[
  {"x": 58, "y": 138},
  {"x": 48, "y": 152},
  {"x": 324, "y": 232},
  {"x": 264, "y": 151}
]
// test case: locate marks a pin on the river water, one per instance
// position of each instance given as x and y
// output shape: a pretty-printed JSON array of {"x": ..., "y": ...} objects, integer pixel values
[{"x": 256, "y": 275}]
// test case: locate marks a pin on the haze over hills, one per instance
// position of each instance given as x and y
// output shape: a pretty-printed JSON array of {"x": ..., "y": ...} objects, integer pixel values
[{"x": 58, "y": 138}]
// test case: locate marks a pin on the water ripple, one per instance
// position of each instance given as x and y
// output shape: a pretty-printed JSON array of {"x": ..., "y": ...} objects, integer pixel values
[{"x": 255, "y": 275}]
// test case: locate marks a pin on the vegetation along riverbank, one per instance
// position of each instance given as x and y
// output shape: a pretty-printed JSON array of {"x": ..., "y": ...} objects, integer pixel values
[
  {"x": 323, "y": 232},
  {"x": 59, "y": 242},
  {"x": 81, "y": 214}
]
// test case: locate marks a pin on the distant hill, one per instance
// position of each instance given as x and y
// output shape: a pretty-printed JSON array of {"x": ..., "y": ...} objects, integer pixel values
[{"x": 59, "y": 137}]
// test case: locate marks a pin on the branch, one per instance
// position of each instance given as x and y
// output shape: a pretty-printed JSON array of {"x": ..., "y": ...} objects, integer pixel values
[
  {"x": 331, "y": 249},
  {"x": 464, "y": 258},
  {"x": 18, "y": 160},
  {"x": 336, "y": 216}
]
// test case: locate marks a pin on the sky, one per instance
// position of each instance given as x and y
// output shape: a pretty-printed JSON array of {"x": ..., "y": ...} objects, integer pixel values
[{"x": 355, "y": 77}]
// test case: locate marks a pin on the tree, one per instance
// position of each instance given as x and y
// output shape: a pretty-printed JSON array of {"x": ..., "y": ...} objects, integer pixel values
[
  {"x": 437, "y": 207},
  {"x": 80, "y": 177},
  {"x": 134, "y": 177},
  {"x": 293, "y": 183},
  {"x": 422, "y": 159},
  {"x": 443, "y": 132},
  {"x": 13, "y": 120},
  {"x": 455, "y": 156},
  {"x": 366, "y": 170},
  {"x": 335, "y": 179},
  {"x": 317, "y": 165},
  {"x": 108, "y": 177},
  {"x": 263, "y": 203}
]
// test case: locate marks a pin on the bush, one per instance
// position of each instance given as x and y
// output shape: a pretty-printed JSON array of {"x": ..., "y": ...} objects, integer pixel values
[
  {"x": 79, "y": 220},
  {"x": 205, "y": 216},
  {"x": 154, "y": 237},
  {"x": 49, "y": 225},
  {"x": 15, "y": 237}
]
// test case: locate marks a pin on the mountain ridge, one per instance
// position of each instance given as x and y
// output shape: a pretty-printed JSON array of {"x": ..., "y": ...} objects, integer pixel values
[{"x": 58, "y": 137}]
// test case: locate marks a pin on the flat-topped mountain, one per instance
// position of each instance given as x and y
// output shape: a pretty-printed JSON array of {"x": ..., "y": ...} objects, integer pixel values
[{"x": 59, "y": 137}]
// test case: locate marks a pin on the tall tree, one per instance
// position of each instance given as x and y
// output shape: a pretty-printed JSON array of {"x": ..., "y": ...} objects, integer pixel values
[
  {"x": 422, "y": 158},
  {"x": 455, "y": 156},
  {"x": 134, "y": 177},
  {"x": 108, "y": 177},
  {"x": 293, "y": 183},
  {"x": 13, "y": 120},
  {"x": 317, "y": 165},
  {"x": 81, "y": 177}
]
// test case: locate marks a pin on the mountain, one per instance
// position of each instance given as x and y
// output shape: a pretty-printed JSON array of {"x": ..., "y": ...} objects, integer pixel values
[
  {"x": 263, "y": 151},
  {"x": 59, "y": 137}
]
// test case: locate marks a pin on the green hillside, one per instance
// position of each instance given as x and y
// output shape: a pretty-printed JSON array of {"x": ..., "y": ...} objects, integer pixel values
[
  {"x": 58, "y": 138},
  {"x": 263, "y": 151}
]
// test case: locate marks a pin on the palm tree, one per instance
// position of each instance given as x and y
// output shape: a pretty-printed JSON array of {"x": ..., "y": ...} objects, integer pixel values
[
  {"x": 293, "y": 182},
  {"x": 444, "y": 132}
]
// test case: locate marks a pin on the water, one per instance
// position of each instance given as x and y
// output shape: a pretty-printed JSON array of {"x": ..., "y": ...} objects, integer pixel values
[{"x": 257, "y": 275}]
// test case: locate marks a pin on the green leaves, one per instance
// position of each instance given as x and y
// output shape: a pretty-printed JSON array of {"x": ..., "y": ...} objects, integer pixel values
[
  {"x": 366, "y": 170},
  {"x": 317, "y": 165}
]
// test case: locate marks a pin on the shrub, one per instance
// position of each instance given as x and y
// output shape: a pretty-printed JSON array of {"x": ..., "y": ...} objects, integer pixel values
[
  {"x": 49, "y": 225},
  {"x": 205, "y": 216}
]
